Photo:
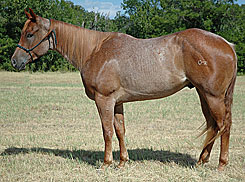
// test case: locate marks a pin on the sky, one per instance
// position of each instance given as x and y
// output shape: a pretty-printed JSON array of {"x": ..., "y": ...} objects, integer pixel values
[
  {"x": 108, "y": 6},
  {"x": 102, "y": 6},
  {"x": 241, "y": 1}
]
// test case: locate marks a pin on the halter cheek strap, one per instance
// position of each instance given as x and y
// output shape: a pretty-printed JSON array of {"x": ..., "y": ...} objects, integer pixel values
[{"x": 49, "y": 34}]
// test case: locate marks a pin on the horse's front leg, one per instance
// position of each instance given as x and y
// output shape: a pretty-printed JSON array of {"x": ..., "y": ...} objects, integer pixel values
[
  {"x": 120, "y": 131},
  {"x": 105, "y": 106}
]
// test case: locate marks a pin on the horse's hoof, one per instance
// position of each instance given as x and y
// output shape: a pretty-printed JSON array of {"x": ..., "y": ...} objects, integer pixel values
[
  {"x": 199, "y": 163},
  {"x": 121, "y": 164},
  {"x": 202, "y": 161},
  {"x": 105, "y": 166},
  {"x": 221, "y": 168}
]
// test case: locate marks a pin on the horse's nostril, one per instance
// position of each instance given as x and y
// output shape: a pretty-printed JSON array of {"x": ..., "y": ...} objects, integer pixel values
[{"x": 14, "y": 62}]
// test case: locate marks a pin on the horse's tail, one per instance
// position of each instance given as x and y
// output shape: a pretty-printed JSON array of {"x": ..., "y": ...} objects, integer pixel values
[
  {"x": 230, "y": 91},
  {"x": 210, "y": 129}
]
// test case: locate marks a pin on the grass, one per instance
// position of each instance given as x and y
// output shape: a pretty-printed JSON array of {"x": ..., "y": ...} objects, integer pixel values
[{"x": 50, "y": 131}]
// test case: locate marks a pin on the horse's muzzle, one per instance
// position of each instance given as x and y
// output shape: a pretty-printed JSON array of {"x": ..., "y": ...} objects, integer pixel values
[{"x": 19, "y": 66}]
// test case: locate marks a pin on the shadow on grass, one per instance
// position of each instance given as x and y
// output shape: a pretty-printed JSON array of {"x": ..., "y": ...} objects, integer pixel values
[{"x": 92, "y": 157}]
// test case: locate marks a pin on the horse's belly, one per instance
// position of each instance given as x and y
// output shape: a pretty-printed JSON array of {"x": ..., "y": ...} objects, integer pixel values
[{"x": 153, "y": 86}]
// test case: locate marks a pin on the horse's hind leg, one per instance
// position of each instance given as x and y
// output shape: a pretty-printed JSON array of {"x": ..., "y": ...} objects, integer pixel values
[
  {"x": 218, "y": 111},
  {"x": 120, "y": 132},
  {"x": 225, "y": 138},
  {"x": 211, "y": 129},
  {"x": 224, "y": 153}
]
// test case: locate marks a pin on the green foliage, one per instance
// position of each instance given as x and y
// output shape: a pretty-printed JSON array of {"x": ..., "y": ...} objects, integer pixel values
[{"x": 141, "y": 18}]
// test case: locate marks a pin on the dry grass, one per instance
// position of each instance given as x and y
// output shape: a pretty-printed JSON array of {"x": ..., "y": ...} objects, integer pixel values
[{"x": 50, "y": 131}]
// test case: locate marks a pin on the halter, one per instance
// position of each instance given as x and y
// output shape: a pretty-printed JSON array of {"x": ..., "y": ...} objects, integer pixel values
[{"x": 49, "y": 34}]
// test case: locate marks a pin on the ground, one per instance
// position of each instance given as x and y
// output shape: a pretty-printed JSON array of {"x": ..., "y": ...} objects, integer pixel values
[{"x": 50, "y": 131}]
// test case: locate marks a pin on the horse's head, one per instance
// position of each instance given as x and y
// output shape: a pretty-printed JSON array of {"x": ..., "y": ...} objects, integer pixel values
[{"x": 35, "y": 40}]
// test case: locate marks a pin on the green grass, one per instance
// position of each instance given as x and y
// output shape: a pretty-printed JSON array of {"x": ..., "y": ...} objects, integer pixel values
[{"x": 50, "y": 131}]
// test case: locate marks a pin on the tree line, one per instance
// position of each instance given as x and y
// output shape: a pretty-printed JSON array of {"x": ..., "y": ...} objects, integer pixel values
[{"x": 140, "y": 18}]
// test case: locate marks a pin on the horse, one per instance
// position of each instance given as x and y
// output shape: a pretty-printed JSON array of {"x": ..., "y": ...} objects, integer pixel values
[{"x": 117, "y": 68}]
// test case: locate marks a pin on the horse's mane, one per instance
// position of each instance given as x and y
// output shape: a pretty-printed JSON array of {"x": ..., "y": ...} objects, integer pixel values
[{"x": 77, "y": 44}]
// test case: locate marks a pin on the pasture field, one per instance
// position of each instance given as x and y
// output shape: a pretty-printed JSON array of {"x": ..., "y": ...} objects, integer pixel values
[{"x": 50, "y": 131}]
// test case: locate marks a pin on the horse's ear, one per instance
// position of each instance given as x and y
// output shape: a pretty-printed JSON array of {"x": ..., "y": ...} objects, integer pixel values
[
  {"x": 28, "y": 15},
  {"x": 33, "y": 15}
]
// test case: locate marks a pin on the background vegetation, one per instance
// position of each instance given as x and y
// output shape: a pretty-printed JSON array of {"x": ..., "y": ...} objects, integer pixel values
[{"x": 141, "y": 18}]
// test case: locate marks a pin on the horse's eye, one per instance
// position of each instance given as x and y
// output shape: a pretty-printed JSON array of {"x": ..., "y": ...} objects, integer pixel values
[{"x": 29, "y": 35}]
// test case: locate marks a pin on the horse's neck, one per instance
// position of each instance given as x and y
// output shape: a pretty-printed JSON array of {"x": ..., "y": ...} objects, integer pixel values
[{"x": 77, "y": 44}]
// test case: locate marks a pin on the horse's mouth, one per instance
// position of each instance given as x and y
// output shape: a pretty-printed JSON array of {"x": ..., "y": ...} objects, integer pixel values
[{"x": 22, "y": 66}]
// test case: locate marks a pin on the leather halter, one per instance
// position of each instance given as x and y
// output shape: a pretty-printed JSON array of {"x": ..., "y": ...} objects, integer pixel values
[{"x": 49, "y": 34}]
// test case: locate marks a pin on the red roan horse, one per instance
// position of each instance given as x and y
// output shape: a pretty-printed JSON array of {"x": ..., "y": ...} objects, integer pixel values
[{"x": 118, "y": 68}]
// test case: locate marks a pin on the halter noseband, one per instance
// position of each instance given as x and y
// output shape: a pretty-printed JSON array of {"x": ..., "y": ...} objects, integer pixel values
[{"x": 49, "y": 34}]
